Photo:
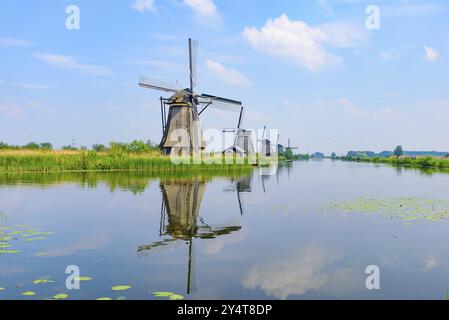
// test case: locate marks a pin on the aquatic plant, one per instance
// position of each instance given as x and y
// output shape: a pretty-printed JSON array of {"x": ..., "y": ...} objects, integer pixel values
[
  {"x": 120, "y": 288},
  {"x": 168, "y": 294},
  {"x": 406, "y": 209},
  {"x": 61, "y": 296}
]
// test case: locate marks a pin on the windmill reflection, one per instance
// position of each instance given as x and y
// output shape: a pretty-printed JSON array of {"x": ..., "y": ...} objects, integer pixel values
[
  {"x": 239, "y": 186},
  {"x": 180, "y": 220}
]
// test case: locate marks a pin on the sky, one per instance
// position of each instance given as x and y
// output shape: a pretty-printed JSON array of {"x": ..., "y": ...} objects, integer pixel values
[{"x": 331, "y": 75}]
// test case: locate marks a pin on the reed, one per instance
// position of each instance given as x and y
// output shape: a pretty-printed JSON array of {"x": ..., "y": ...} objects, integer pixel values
[
  {"x": 57, "y": 161},
  {"x": 419, "y": 162}
]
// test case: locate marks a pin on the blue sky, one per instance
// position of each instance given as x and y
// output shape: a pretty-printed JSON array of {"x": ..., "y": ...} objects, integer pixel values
[{"x": 310, "y": 68}]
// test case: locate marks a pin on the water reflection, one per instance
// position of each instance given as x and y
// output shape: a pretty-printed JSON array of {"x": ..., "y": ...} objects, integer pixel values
[{"x": 180, "y": 219}]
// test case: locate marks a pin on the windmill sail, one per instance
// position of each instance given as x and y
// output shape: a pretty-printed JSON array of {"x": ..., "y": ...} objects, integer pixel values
[{"x": 150, "y": 83}]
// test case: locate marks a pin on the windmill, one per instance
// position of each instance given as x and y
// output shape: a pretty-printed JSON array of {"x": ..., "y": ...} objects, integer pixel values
[
  {"x": 265, "y": 148},
  {"x": 243, "y": 142},
  {"x": 290, "y": 147},
  {"x": 181, "y": 130}
]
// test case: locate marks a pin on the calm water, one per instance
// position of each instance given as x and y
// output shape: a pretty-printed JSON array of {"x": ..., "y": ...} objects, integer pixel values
[{"x": 254, "y": 237}]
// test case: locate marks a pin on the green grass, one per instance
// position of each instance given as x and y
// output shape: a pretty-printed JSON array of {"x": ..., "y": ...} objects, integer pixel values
[
  {"x": 421, "y": 162},
  {"x": 57, "y": 161}
]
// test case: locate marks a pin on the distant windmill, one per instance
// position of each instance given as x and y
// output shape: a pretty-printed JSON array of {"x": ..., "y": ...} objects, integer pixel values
[
  {"x": 290, "y": 147},
  {"x": 243, "y": 142},
  {"x": 183, "y": 110},
  {"x": 265, "y": 148}
]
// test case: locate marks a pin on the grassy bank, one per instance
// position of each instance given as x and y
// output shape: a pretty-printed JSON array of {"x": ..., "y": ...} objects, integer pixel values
[
  {"x": 419, "y": 162},
  {"x": 57, "y": 161}
]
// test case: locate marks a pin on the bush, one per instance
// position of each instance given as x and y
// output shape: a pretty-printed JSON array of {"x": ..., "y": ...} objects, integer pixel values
[{"x": 99, "y": 147}]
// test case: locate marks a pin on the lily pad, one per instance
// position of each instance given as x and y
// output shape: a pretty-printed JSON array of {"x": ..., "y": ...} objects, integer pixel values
[
  {"x": 120, "y": 288},
  {"x": 11, "y": 251},
  {"x": 42, "y": 281},
  {"x": 28, "y": 293},
  {"x": 104, "y": 298},
  {"x": 61, "y": 296},
  {"x": 122, "y": 298},
  {"x": 176, "y": 297},
  {"x": 2, "y": 289},
  {"x": 35, "y": 239},
  {"x": 163, "y": 294},
  {"x": 83, "y": 278},
  {"x": 405, "y": 209},
  {"x": 41, "y": 254}
]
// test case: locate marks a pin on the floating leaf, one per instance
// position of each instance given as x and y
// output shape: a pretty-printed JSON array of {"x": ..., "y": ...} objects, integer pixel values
[
  {"x": 28, "y": 293},
  {"x": 42, "y": 281},
  {"x": 61, "y": 296},
  {"x": 35, "y": 239},
  {"x": 176, "y": 297},
  {"x": 5, "y": 238},
  {"x": 41, "y": 254},
  {"x": 15, "y": 233},
  {"x": 104, "y": 298},
  {"x": 11, "y": 251},
  {"x": 2, "y": 289},
  {"x": 83, "y": 278},
  {"x": 165, "y": 294},
  {"x": 120, "y": 288},
  {"x": 122, "y": 298},
  {"x": 4, "y": 246}
]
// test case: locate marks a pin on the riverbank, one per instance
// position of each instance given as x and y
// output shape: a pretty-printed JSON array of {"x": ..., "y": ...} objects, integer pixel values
[
  {"x": 72, "y": 161},
  {"x": 418, "y": 162}
]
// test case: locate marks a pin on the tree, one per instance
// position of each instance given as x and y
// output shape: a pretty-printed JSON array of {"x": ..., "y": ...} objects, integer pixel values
[
  {"x": 99, "y": 147},
  {"x": 333, "y": 155},
  {"x": 46, "y": 146},
  {"x": 31, "y": 146},
  {"x": 288, "y": 154},
  {"x": 398, "y": 151}
]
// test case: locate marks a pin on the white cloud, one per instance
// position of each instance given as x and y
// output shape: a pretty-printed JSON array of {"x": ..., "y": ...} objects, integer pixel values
[
  {"x": 230, "y": 76},
  {"x": 312, "y": 268},
  {"x": 144, "y": 5},
  {"x": 31, "y": 86},
  {"x": 294, "y": 40},
  {"x": 365, "y": 113},
  {"x": 431, "y": 54},
  {"x": 68, "y": 62},
  {"x": 344, "y": 34},
  {"x": 430, "y": 263},
  {"x": 205, "y": 11},
  {"x": 13, "y": 111},
  {"x": 12, "y": 42}
]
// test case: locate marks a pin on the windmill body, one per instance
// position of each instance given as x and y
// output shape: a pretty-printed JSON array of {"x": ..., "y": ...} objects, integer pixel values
[{"x": 182, "y": 132}]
